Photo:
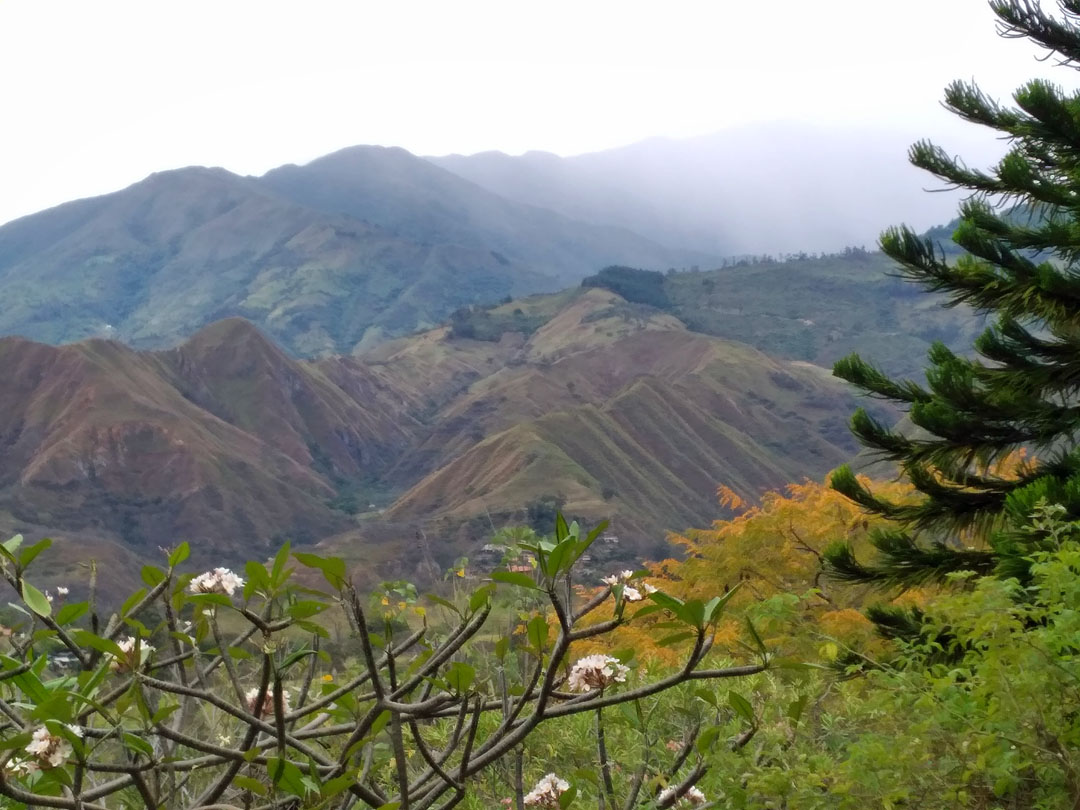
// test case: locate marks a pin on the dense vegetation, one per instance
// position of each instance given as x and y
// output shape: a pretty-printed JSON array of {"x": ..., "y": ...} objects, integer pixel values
[
  {"x": 860, "y": 645},
  {"x": 636, "y": 286}
]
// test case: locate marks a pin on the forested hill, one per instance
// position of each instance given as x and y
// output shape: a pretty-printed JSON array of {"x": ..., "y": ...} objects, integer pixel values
[
  {"x": 359, "y": 246},
  {"x": 810, "y": 308}
]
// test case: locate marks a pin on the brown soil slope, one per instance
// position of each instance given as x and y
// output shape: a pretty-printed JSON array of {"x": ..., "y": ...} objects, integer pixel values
[{"x": 228, "y": 442}]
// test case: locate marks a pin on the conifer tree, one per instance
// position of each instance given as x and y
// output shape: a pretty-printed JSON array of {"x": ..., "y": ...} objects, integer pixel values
[{"x": 1020, "y": 229}]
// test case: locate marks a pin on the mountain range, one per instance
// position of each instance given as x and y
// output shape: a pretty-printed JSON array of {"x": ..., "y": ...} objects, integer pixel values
[
  {"x": 376, "y": 355},
  {"x": 361, "y": 245},
  {"x": 771, "y": 188},
  {"x": 232, "y": 444}
]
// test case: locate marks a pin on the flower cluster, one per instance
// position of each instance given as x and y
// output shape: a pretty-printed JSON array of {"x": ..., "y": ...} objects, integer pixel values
[
  {"x": 47, "y": 750},
  {"x": 267, "y": 706},
  {"x": 693, "y": 797},
  {"x": 62, "y": 590},
  {"x": 220, "y": 580},
  {"x": 127, "y": 647},
  {"x": 546, "y": 792},
  {"x": 631, "y": 593},
  {"x": 596, "y": 672}
]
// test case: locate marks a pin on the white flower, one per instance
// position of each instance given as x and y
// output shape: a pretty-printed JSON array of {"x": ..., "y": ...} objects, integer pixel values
[
  {"x": 48, "y": 596},
  {"x": 596, "y": 672},
  {"x": 693, "y": 797},
  {"x": 220, "y": 580},
  {"x": 127, "y": 647},
  {"x": 634, "y": 590},
  {"x": 546, "y": 792},
  {"x": 49, "y": 750},
  {"x": 23, "y": 767},
  {"x": 620, "y": 578},
  {"x": 62, "y": 590},
  {"x": 267, "y": 707}
]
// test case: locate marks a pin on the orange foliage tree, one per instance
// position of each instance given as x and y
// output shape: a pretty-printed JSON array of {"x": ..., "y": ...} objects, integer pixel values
[{"x": 772, "y": 552}]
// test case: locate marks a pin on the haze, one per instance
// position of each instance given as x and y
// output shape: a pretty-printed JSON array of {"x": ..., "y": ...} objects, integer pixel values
[{"x": 99, "y": 95}]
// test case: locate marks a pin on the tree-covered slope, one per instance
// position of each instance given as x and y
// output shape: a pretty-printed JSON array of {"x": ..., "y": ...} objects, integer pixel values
[
  {"x": 417, "y": 200},
  {"x": 352, "y": 249}
]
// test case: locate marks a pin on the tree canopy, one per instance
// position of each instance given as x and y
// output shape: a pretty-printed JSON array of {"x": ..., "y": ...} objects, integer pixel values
[{"x": 1020, "y": 230}]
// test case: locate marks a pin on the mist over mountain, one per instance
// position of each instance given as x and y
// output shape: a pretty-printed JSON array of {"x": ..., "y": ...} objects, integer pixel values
[
  {"x": 766, "y": 189},
  {"x": 359, "y": 246}
]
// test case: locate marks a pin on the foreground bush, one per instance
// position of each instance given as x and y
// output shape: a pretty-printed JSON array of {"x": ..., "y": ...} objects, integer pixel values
[{"x": 219, "y": 691}]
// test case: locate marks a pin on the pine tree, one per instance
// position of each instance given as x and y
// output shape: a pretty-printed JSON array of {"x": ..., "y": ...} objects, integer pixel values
[{"x": 1020, "y": 229}]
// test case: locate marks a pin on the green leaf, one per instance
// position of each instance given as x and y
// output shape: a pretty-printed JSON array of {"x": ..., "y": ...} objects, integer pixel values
[
  {"x": 306, "y": 609},
  {"x": 566, "y": 798},
  {"x": 742, "y": 707},
  {"x": 480, "y": 597},
  {"x": 179, "y": 554},
  {"x": 131, "y": 601},
  {"x": 675, "y": 638},
  {"x": 28, "y": 554},
  {"x": 137, "y": 745},
  {"x": 313, "y": 628},
  {"x": 380, "y": 723},
  {"x": 333, "y": 568},
  {"x": 757, "y": 638},
  {"x": 164, "y": 711},
  {"x": 708, "y": 697},
  {"x": 335, "y": 786},
  {"x": 561, "y": 529},
  {"x": 694, "y": 613},
  {"x": 210, "y": 599},
  {"x": 390, "y": 806},
  {"x": 16, "y": 741},
  {"x": 28, "y": 682},
  {"x": 706, "y": 739},
  {"x": 647, "y": 611},
  {"x": 152, "y": 575},
  {"x": 561, "y": 557},
  {"x": 277, "y": 574},
  {"x": 537, "y": 632},
  {"x": 299, "y": 655},
  {"x": 255, "y": 786},
  {"x": 502, "y": 646},
  {"x": 586, "y": 775},
  {"x": 87, "y": 639},
  {"x": 286, "y": 776},
  {"x": 446, "y": 603},
  {"x": 69, "y": 613},
  {"x": 671, "y": 603},
  {"x": 517, "y": 578},
  {"x": 796, "y": 707},
  {"x": 460, "y": 676},
  {"x": 257, "y": 578},
  {"x": 35, "y": 600},
  {"x": 583, "y": 546},
  {"x": 9, "y": 547}
]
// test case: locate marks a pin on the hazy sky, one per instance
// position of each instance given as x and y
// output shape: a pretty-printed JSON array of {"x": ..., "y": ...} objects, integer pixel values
[{"x": 95, "y": 95}]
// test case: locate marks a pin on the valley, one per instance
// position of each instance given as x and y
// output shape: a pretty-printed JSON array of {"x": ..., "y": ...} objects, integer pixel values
[{"x": 233, "y": 445}]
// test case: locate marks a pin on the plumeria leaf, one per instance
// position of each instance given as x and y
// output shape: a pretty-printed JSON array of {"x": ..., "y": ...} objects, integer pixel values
[{"x": 36, "y": 600}]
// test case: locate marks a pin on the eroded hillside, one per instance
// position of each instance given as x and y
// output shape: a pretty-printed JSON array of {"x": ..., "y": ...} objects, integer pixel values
[{"x": 614, "y": 411}]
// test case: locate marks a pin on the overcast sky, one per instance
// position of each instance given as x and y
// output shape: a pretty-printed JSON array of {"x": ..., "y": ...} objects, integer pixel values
[{"x": 98, "y": 94}]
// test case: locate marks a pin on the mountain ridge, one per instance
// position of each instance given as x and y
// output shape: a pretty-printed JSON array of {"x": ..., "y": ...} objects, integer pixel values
[
  {"x": 152, "y": 263},
  {"x": 233, "y": 444}
]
